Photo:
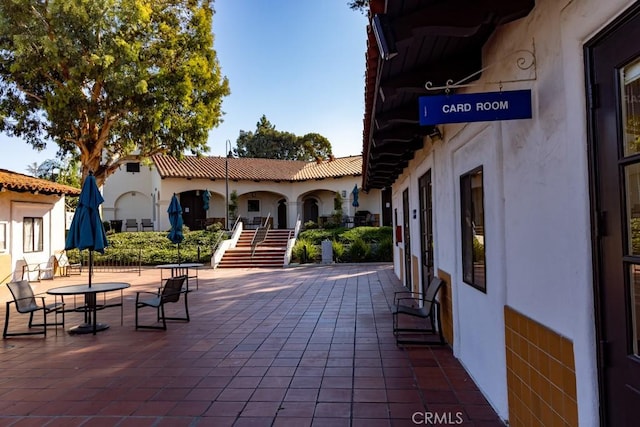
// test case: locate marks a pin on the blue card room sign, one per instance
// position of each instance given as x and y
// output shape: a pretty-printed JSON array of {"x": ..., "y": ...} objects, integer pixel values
[{"x": 475, "y": 107}]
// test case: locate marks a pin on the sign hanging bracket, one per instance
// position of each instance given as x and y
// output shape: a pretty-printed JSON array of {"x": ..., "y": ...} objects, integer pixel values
[{"x": 525, "y": 60}]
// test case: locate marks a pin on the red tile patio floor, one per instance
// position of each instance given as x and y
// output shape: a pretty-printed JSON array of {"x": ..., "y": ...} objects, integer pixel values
[{"x": 305, "y": 346}]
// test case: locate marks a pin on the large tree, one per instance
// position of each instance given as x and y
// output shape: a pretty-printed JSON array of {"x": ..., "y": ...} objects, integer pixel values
[
  {"x": 361, "y": 5},
  {"x": 267, "y": 142},
  {"x": 107, "y": 79}
]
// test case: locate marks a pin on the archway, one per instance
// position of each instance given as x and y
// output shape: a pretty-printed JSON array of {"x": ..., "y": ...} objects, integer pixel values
[
  {"x": 282, "y": 214},
  {"x": 310, "y": 210}
]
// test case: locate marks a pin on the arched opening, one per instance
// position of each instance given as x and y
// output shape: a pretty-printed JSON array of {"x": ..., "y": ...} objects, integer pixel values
[
  {"x": 282, "y": 214},
  {"x": 310, "y": 209}
]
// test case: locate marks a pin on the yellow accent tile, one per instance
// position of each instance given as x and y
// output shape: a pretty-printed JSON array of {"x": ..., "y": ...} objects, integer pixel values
[
  {"x": 570, "y": 411},
  {"x": 555, "y": 372},
  {"x": 557, "y": 399},
  {"x": 540, "y": 374},
  {"x": 566, "y": 353},
  {"x": 569, "y": 382},
  {"x": 534, "y": 335},
  {"x": 555, "y": 346}
]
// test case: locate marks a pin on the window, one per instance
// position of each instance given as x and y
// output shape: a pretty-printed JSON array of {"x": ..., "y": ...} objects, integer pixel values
[
  {"x": 133, "y": 167},
  {"x": 3, "y": 236},
  {"x": 32, "y": 234},
  {"x": 473, "y": 241},
  {"x": 253, "y": 205}
]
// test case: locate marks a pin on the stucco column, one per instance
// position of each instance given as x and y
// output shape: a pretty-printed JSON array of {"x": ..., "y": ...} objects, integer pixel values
[
  {"x": 293, "y": 209},
  {"x": 163, "y": 216}
]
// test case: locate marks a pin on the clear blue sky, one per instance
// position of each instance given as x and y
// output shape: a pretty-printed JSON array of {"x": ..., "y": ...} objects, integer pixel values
[{"x": 300, "y": 63}]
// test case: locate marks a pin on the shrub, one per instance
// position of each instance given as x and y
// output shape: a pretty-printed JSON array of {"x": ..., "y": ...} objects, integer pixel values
[
  {"x": 155, "y": 248},
  {"x": 368, "y": 234},
  {"x": 378, "y": 240},
  {"x": 310, "y": 225},
  {"x": 338, "y": 250},
  {"x": 384, "y": 250},
  {"x": 331, "y": 225},
  {"x": 359, "y": 250},
  {"x": 305, "y": 251},
  {"x": 216, "y": 226},
  {"x": 478, "y": 250},
  {"x": 319, "y": 235}
]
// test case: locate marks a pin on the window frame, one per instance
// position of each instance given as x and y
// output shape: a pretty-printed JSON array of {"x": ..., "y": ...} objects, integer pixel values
[
  {"x": 34, "y": 245},
  {"x": 133, "y": 167},
  {"x": 4, "y": 244},
  {"x": 253, "y": 205},
  {"x": 469, "y": 212}
]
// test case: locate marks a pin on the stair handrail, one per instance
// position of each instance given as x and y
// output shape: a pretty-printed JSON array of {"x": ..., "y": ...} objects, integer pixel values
[
  {"x": 259, "y": 237},
  {"x": 236, "y": 231},
  {"x": 291, "y": 241},
  {"x": 297, "y": 227},
  {"x": 235, "y": 225},
  {"x": 266, "y": 220}
]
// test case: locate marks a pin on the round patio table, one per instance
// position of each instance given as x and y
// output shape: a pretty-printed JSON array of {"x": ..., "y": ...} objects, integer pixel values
[
  {"x": 182, "y": 269},
  {"x": 90, "y": 307}
]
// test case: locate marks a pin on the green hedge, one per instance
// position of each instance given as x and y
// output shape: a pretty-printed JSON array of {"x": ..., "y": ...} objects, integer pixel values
[
  {"x": 359, "y": 244},
  {"x": 347, "y": 235},
  {"x": 154, "y": 247}
]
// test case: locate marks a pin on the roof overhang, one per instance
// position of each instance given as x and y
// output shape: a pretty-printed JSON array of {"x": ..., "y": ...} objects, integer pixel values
[{"x": 410, "y": 43}]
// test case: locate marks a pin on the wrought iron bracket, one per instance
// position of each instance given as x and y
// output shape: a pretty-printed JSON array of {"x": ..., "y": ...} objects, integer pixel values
[{"x": 524, "y": 60}]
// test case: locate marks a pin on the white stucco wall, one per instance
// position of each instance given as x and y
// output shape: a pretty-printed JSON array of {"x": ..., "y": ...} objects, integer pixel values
[
  {"x": 129, "y": 194},
  {"x": 153, "y": 194},
  {"x": 14, "y": 207},
  {"x": 537, "y": 226}
]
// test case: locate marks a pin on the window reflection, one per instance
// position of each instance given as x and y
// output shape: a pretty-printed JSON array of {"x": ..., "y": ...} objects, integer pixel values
[
  {"x": 473, "y": 237},
  {"x": 631, "y": 107},
  {"x": 632, "y": 189},
  {"x": 635, "y": 305}
]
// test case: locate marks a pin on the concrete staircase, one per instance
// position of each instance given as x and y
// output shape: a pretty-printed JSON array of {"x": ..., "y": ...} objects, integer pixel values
[{"x": 268, "y": 254}]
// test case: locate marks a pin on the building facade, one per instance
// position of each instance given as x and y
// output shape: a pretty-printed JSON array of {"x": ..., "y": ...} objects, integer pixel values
[
  {"x": 283, "y": 190},
  {"x": 532, "y": 222},
  {"x": 32, "y": 222}
]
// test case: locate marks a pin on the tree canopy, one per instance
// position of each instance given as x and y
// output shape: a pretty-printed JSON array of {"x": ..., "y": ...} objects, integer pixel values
[
  {"x": 267, "y": 142},
  {"x": 361, "y": 5},
  {"x": 107, "y": 79}
]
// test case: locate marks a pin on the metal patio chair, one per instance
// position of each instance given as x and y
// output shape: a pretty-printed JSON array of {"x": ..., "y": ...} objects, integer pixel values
[
  {"x": 169, "y": 293},
  {"x": 420, "y": 316},
  {"x": 41, "y": 270},
  {"x": 146, "y": 223},
  {"x": 67, "y": 268},
  {"x": 25, "y": 302},
  {"x": 131, "y": 223}
]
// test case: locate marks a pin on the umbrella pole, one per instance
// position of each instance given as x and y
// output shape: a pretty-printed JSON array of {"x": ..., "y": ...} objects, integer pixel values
[{"x": 90, "y": 266}]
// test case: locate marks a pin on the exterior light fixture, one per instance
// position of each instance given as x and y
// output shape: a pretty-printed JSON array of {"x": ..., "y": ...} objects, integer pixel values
[{"x": 384, "y": 38}]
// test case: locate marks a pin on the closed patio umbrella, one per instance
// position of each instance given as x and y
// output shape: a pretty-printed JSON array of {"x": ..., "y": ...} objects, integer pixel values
[
  {"x": 206, "y": 196},
  {"x": 175, "y": 219},
  {"x": 354, "y": 192},
  {"x": 87, "y": 231}
]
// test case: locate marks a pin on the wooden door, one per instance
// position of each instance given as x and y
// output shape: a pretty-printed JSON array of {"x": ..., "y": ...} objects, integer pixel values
[{"x": 613, "y": 78}]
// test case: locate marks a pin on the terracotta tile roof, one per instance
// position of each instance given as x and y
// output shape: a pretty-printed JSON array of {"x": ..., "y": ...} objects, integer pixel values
[
  {"x": 249, "y": 169},
  {"x": 14, "y": 181}
]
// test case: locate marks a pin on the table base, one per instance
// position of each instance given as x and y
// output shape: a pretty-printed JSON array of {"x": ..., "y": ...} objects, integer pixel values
[{"x": 87, "y": 328}]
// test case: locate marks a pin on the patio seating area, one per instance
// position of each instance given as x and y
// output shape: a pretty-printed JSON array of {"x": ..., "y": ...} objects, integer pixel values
[{"x": 305, "y": 346}]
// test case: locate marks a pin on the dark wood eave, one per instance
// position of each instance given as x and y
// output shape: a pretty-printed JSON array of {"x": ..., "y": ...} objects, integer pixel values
[{"x": 435, "y": 40}]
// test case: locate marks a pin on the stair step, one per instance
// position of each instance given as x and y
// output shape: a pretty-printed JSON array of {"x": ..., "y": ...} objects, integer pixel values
[{"x": 268, "y": 254}]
